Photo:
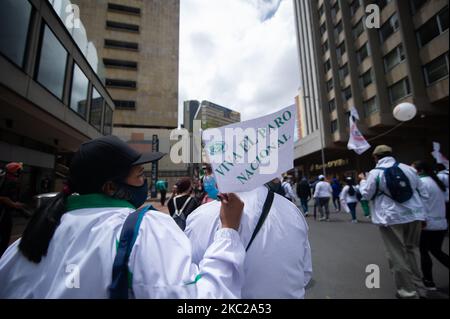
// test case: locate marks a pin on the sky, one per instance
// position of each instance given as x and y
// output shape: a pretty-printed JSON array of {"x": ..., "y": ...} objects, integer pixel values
[{"x": 241, "y": 54}]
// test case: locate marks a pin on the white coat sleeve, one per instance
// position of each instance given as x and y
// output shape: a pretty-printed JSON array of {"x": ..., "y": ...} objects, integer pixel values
[
  {"x": 308, "y": 270},
  {"x": 368, "y": 187},
  {"x": 161, "y": 263},
  {"x": 422, "y": 189}
]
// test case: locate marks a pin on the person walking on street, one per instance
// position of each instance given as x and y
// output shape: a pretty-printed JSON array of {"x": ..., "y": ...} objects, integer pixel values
[
  {"x": 397, "y": 193},
  {"x": 436, "y": 227},
  {"x": 316, "y": 201},
  {"x": 161, "y": 187},
  {"x": 365, "y": 204},
  {"x": 349, "y": 199},
  {"x": 322, "y": 193},
  {"x": 100, "y": 229},
  {"x": 289, "y": 193},
  {"x": 337, "y": 188},
  {"x": 304, "y": 193}
]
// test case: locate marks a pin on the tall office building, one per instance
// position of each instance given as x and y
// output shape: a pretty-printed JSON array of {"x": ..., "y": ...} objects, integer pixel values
[
  {"x": 374, "y": 69},
  {"x": 138, "y": 42},
  {"x": 52, "y": 96},
  {"x": 190, "y": 109},
  {"x": 213, "y": 115}
]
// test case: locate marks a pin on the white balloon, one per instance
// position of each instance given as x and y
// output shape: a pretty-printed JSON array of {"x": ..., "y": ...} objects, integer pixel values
[{"x": 405, "y": 112}]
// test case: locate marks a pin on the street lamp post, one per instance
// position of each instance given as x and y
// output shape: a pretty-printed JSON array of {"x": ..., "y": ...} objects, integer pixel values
[{"x": 321, "y": 134}]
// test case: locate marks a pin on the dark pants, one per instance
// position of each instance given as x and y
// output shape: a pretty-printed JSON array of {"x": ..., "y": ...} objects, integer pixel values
[
  {"x": 352, "y": 207},
  {"x": 324, "y": 207},
  {"x": 6, "y": 225},
  {"x": 431, "y": 242},
  {"x": 304, "y": 203},
  {"x": 163, "y": 197},
  {"x": 336, "y": 202}
]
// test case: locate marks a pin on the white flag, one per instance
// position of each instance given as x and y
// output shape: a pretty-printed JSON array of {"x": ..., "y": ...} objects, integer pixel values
[
  {"x": 246, "y": 155},
  {"x": 440, "y": 158},
  {"x": 354, "y": 113},
  {"x": 356, "y": 142}
]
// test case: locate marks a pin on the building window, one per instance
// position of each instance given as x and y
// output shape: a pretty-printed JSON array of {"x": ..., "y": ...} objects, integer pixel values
[
  {"x": 382, "y": 3},
  {"x": 120, "y": 64},
  {"x": 325, "y": 47},
  {"x": 366, "y": 79},
  {"x": 334, "y": 126},
  {"x": 347, "y": 119},
  {"x": 95, "y": 116},
  {"x": 330, "y": 85},
  {"x": 354, "y": 6},
  {"x": 14, "y": 22},
  {"x": 389, "y": 27},
  {"x": 358, "y": 29},
  {"x": 107, "y": 121},
  {"x": 399, "y": 90},
  {"x": 393, "y": 58},
  {"x": 341, "y": 49},
  {"x": 335, "y": 9},
  {"x": 332, "y": 105},
  {"x": 347, "y": 93},
  {"x": 321, "y": 11},
  {"x": 338, "y": 29},
  {"x": 433, "y": 28},
  {"x": 52, "y": 63},
  {"x": 370, "y": 106},
  {"x": 79, "y": 92},
  {"x": 327, "y": 66},
  {"x": 343, "y": 71},
  {"x": 436, "y": 70},
  {"x": 362, "y": 53},
  {"x": 122, "y": 104},
  {"x": 123, "y": 9},
  {"x": 121, "y": 84},
  {"x": 416, "y": 5},
  {"x": 122, "y": 26},
  {"x": 121, "y": 45},
  {"x": 323, "y": 29}
]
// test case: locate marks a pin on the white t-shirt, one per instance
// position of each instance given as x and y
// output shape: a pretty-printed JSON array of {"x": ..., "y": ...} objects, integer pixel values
[
  {"x": 323, "y": 189},
  {"x": 346, "y": 197},
  {"x": 278, "y": 263}
]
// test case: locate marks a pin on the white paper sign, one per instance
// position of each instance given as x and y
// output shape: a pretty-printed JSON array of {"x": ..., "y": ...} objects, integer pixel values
[
  {"x": 249, "y": 154},
  {"x": 356, "y": 142}
]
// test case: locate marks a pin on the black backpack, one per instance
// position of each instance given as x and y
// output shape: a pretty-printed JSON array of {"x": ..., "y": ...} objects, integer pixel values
[{"x": 397, "y": 182}]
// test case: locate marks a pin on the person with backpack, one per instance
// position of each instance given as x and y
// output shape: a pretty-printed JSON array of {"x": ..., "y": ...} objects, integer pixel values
[
  {"x": 397, "y": 193},
  {"x": 278, "y": 260},
  {"x": 182, "y": 204},
  {"x": 97, "y": 240},
  {"x": 349, "y": 199},
  {"x": 433, "y": 234}
]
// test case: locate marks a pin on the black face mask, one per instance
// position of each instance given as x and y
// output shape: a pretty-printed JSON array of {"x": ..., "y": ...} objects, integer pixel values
[{"x": 136, "y": 195}]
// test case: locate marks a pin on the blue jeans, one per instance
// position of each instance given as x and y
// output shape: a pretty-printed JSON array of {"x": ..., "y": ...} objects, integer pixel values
[
  {"x": 352, "y": 207},
  {"x": 304, "y": 203}
]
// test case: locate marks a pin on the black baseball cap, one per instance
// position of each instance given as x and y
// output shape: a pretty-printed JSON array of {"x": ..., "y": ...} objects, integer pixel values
[{"x": 103, "y": 159}]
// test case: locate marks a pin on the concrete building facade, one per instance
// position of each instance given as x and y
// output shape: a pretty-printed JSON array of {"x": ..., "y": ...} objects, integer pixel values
[{"x": 374, "y": 69}]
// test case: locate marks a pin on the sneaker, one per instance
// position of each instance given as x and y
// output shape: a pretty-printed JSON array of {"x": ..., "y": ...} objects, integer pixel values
[
  {"x": 322, "y": 219},
  {"x": 354, "y": 221},
  {"x": 429, "y": 285},
  {"x": 306, "y": 214}
]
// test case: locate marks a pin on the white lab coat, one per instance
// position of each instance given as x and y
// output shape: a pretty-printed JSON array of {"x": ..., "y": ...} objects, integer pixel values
[
  {"x": 288, "y": 190},
  {"x": 443, "y": 176},
  {"x": 278, "y": 263},
  {"x": 434, "y": 205},
  {"x": 323, "y": 189},
  {"x": 160, "y": 260},
  {"x": 386, "y": 211}
]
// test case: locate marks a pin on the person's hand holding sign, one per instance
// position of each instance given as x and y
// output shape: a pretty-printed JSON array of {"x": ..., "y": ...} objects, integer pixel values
[{"x": 231, "y": 210}]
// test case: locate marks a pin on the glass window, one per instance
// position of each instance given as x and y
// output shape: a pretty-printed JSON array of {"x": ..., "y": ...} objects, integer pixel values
[
  {"x": 354, "y": 6},
  {"x": 107, "y": 126},
  {"x": 14, "y": 22},
  {"x": 323, "y": 29},
  {"x": 363, "y": 53},
  {"x": 436, "y": 70},
  {"x": 332, "y": 105},
  {"x": 382, "y": 3},
  {"x": 321, "y": 11},
  {"x": 428, "y": 32},
  {"x": 335, "y": 9},
  {"x": 343, "y": 71},
  {"x": 123, "y": 64},
  {"x": 123, "y": 9},
  {"x": 334, "y": 126},
  {"x": 330, "y": 85},
  {"x": 325, "y": 47},
  {"x": 79, "y": 92},
  {"x": 341, "y": 49},
  {"x": 389, "y": 27},
  {"x": 370, "y": 106},
  {"x": 121, "y": 45},
  {"x": 366, "y": 79},
  {"x": 95, "y": 117},
  {"x": 416, "y": 5},
  {"x": 347, "y": 93},
  {"x": 122, "y": 26},
  {"x": 358, "y": 29},
  {"x": 121, "y": 83},
  {"x": 327, "y": 66},
  {"x": 393, "y": 58},
  {"x": 399, "y": 90},
  {"x": 443, "y": 19},
  {"x": 52, "y": 63},
  {"x": 123, "y": 104},
  {"x": 338, "y": 29}
]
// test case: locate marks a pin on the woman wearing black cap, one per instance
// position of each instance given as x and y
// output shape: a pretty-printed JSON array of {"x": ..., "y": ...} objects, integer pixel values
[{"x": 89, "y": 241}]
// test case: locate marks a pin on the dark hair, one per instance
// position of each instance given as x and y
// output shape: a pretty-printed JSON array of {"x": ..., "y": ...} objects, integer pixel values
[
  {"x": 351, "y": 190},
  {"x": 425, "y": 167},
  {"x": 183, "y": 184}
]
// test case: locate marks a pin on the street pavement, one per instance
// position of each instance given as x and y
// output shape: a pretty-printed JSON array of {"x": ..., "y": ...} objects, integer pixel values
[{"x": 341, "y": 251}]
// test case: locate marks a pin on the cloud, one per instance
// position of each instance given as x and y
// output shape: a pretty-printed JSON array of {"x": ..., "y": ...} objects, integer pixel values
[{"x": 238, "y": 53}]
